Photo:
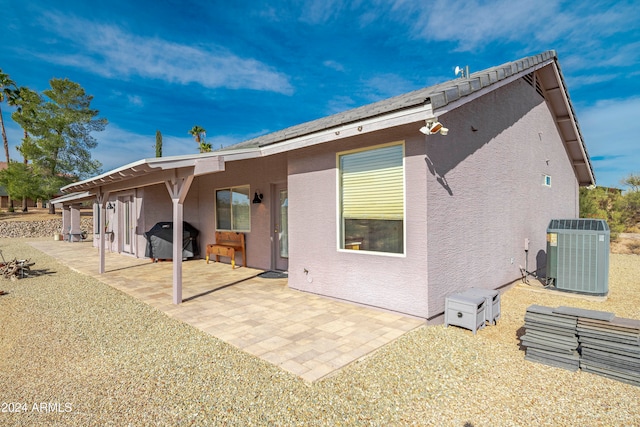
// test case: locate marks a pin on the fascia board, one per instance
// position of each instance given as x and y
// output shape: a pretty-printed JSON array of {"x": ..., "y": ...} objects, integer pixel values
[{"x": 398, "y": 118}]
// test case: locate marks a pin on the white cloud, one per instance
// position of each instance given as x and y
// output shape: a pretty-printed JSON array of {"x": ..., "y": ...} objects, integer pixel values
[
  {"x": 614, "y": 147},
  {"x": 333, "y": 65},
  {"x": 575, "y": 82},
  {"x": 338, "y": 104},
  {"x": 320, "y": 11},
  {"x": 473, "y": 24},
  {"x": 118, "y": 147},
  {"x": 111, "y": 52},
  {"x": 135, "y": 100},
  {"x": 387, "y": 85}
]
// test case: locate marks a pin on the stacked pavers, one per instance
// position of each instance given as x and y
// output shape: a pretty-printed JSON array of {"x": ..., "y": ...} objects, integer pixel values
[
  {"x": 551, "y": 338},
  {"x": 573, "y": 338},
  {"x": 611, "y": 349}
]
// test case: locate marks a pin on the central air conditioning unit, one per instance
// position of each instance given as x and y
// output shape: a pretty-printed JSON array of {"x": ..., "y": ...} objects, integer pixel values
[{"x": 578, "y": 255}]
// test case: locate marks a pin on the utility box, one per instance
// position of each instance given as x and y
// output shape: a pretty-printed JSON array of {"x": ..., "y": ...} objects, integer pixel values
[
  {"x": 492, "y": 302},
  {"x": 466, "y": 311},
  {"x": 578, "y": 255}
]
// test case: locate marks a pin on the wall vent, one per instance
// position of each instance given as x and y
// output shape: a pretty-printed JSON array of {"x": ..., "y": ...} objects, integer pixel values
[{"x": 529, "y": 79}]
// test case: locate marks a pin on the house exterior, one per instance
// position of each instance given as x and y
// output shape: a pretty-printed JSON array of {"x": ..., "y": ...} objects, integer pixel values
[{"x": 363, "y": 206}]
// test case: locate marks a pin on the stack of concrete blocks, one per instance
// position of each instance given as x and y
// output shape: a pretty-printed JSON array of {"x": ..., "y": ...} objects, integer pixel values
[
  {"x": 611, "y": 348},
  {"x": 550, "y": 338},
  {"x": 594, "y": 341}
]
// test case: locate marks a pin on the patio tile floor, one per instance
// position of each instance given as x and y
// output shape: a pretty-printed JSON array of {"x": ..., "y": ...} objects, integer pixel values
[{"x": 305, "y": 334}]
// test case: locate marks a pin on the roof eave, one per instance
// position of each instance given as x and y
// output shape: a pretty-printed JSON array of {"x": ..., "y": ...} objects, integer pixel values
[{"x": 198, "y": 164}]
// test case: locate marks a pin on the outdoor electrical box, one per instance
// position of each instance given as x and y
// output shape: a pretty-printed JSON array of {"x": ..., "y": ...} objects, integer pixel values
[{"x": 578, "y": 255}]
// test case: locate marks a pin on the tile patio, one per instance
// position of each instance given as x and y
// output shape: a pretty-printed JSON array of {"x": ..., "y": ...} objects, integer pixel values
[{"x": 305, "y": 334}]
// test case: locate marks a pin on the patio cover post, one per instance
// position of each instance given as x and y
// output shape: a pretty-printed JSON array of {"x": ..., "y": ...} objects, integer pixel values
[
  {"x": 178, "y": 189},
  {"x": 66, "y": 220},
  {"x": 102, "y": 203}
]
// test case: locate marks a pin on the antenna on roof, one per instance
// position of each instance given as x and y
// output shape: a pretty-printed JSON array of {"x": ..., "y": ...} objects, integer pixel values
[{"x": 464, "y": 72}]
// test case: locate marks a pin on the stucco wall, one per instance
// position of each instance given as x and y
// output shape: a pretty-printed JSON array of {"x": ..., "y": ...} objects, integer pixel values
[
  {"x": 396, "y": 282},
  {"x": 480, "y": 188},
  {"x": 154, "y": 205},
  {"x": 260, "y": 174},
  {"x": 486, "y": 192}
]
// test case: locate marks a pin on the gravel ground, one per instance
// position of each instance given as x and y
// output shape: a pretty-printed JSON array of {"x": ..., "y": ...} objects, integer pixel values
[{"x": 76, "y": 352}]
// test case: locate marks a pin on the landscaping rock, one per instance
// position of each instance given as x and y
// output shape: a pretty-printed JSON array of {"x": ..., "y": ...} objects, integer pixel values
[{"x": 43, "y": 228}]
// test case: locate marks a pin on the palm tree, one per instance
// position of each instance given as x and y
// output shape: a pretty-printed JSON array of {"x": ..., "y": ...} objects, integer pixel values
[
  {"x": 7, "y": 92},
  {"x": 199, "y": 134}
]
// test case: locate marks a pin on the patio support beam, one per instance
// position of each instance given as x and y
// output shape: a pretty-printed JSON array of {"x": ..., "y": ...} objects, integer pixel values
[
  {"x": 102, "y": 207},
  {"x": 178, "y": 188}
]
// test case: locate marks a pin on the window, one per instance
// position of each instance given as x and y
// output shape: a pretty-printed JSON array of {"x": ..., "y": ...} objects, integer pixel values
[
  {"x": 233, "y": 209},
  {"x": 372, "y": 199},
  {"x": 546, "y": 181}
]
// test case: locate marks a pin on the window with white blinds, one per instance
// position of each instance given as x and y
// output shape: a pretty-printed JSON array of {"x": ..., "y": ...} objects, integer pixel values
[
  {"x": 372, "y": 198},
  {"x": 233, "y": 209}
]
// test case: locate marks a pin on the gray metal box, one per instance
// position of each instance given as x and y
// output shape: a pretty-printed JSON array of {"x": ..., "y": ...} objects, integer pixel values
[
  {"x": 492, "y": 302},
  {"x": 578, "y": 255},
  {"x": 465, "y": 311}
]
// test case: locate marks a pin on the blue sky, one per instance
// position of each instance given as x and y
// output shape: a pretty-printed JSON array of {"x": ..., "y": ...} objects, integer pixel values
[{"x": 245, "y": 68}]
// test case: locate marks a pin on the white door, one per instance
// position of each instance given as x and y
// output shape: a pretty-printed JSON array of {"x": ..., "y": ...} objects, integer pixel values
[{"x": 281, "y": 228}]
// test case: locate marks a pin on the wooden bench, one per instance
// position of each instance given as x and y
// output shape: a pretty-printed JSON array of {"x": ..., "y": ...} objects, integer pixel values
[{"x": 227, "y": 244}]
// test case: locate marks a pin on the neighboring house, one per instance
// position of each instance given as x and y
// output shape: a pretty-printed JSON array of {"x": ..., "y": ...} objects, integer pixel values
[
  {"x": 4, "y": 198},
  {"x": 362, "y": 206}
]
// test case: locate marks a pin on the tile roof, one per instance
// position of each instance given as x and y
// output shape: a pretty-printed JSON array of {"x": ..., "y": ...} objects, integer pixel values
[
  {"x": 441, "y": 98},
  {"x": 438, "y": 95}
]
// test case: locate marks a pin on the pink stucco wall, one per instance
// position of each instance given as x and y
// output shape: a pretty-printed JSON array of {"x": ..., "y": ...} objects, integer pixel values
[
  {"x": 486, "y": 192},
  {"x": 379, "y": 280},
  {"x": 154, "y": 205},
  {"x": 260, "y": 174},
  {"x": 472, "y": 197}
]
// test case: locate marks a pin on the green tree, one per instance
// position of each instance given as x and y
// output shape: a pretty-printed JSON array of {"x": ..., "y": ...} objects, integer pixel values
[
  {"x": 199, "y": 135},
  {"x": 630, "y": 203},
  {"x": 633, "y": 181},
  {"x": 27, "y": 103},
  {"x": 20, "y": 181},
  {"x": 158, "y": 144},
  {"x": 602, "y": 203},
  {"x": 60, "y": 136}
]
